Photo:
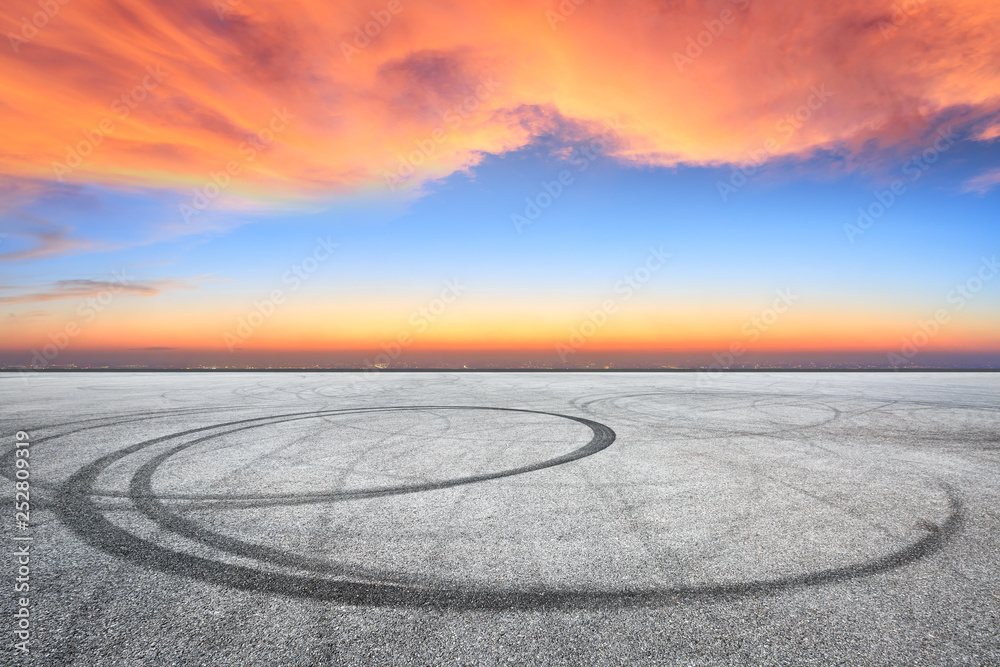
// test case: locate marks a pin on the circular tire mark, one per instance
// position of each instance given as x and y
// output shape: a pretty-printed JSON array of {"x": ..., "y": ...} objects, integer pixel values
[{"x": 78, "y": 511}]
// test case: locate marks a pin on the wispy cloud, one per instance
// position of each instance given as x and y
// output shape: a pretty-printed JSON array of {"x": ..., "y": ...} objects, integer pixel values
[
  {"x": 46, "y": 242},
  {"x": 24, "y": 235},
  {"x": 84, "y": 288},
  {"x": 983, "y": 183},
  {"x": 990, "y": 133},
  {"x": 30, "y": 314}
]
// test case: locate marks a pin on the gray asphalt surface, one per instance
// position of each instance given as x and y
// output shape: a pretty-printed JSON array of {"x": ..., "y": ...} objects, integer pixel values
[{"x": 494, "y": 518}]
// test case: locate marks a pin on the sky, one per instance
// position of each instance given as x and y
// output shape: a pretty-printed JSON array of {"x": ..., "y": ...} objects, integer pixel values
[{"x": 584, "y": 183}]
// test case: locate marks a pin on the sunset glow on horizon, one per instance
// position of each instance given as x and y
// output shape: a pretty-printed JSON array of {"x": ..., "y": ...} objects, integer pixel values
[{"x": 582, "y": 183}]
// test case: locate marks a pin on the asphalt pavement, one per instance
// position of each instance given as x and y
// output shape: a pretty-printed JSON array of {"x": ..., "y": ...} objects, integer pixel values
[{"x": 503, "y": 518}]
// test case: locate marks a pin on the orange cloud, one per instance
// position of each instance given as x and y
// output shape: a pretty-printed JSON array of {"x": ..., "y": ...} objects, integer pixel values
[
  {"x": 990, "y": 133},
  {"x": 293, "y": 99}
]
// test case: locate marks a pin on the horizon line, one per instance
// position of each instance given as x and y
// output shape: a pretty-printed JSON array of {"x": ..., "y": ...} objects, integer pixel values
[{"x": 313, "y": 369}]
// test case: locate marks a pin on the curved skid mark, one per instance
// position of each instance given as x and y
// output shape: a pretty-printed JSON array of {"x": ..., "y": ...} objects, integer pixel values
[{"x": 81, "y": 514}]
